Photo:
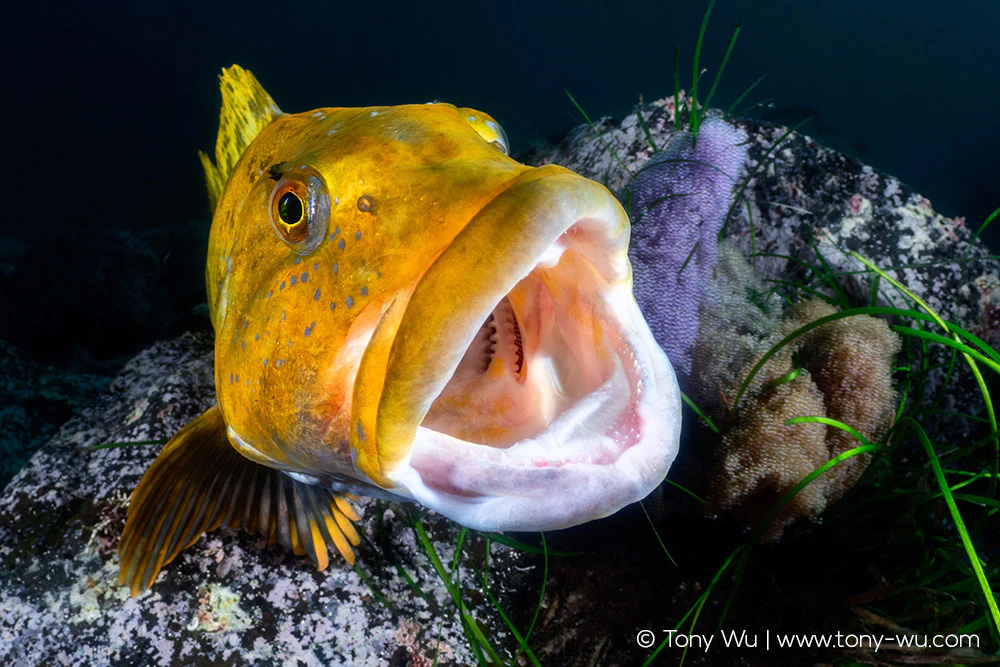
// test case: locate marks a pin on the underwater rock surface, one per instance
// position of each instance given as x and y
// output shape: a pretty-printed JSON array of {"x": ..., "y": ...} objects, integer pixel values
[
  {"x": 805, "y": 198},
  {"x": 229, "y": 598}
]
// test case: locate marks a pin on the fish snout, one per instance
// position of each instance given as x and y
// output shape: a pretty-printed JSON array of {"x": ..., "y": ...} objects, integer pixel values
[{"x": 518, "y": 367}]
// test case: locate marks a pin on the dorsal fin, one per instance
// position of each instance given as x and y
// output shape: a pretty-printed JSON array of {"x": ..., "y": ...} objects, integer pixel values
[{"x": 246, "y": 110}]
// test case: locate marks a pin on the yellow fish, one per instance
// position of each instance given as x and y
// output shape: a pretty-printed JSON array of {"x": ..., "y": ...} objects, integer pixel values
[{"x": 402, "y": 310}]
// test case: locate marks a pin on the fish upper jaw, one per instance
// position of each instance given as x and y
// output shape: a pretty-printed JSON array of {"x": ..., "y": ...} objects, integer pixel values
[{"x": 518, "y": 386}]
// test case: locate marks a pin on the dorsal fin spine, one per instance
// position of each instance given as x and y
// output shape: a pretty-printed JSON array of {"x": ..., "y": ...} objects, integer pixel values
[{"x": 246, "y": 110}]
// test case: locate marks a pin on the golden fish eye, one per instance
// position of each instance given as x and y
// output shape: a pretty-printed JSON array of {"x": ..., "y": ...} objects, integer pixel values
[{"x": 300, "y": 209}]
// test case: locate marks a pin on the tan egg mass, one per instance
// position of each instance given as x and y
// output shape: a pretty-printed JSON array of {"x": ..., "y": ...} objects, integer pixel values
[{"x": 846, "y": 375}]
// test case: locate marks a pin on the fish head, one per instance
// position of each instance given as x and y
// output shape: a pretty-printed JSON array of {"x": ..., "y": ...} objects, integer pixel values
[{"x": 400, "y": 304}]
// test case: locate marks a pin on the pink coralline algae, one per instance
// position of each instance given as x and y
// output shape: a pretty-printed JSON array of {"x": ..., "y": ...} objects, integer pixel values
[{"x": 678, "y": 202}]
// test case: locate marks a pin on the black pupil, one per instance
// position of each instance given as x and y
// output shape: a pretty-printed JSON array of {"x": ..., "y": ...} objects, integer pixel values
[{"x": 290, "y": 208}]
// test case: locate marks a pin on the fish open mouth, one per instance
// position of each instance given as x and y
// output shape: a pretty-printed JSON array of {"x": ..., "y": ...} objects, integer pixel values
[{"x": 524, "y": 390}]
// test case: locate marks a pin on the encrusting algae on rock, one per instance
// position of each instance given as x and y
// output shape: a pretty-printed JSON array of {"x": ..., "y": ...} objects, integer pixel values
[{"x": 402, "y": 310}]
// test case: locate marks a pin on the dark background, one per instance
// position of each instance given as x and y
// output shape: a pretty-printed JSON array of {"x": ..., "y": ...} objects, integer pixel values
[{"x": 106, "y": 104}]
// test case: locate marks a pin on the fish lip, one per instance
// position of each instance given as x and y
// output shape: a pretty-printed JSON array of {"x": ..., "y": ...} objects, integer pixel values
[
  {"x": 507, "y": 495},
  {"x": 393, "y": 391},
  {"x": 515, "y": 490}
]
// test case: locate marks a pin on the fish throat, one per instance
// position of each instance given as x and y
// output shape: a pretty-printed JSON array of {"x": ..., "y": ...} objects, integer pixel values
[{"x": 545, "y": 347}]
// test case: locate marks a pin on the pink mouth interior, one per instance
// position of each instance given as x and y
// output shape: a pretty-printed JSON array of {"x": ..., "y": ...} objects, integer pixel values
[{"x": 545, "y": 349}]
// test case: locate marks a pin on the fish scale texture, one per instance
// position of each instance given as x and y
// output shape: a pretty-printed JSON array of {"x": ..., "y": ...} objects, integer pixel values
[
  {"x": 678, "y": 202},
  {"x": 228, "y": 600}
]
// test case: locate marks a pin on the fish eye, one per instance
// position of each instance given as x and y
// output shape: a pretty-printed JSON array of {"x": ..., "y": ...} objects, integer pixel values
[
  {"x": 300, "y": 209},
  {"x": 290, "y": 208}
]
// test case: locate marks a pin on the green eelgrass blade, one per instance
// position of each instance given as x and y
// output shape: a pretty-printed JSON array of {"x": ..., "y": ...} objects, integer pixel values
[
  {"x": 722, "y": 66},
  {"x": 481, "y": 644},
  {"x": 705, "y": 418},
  {"x": 510, "y": 626},
  {"x": 657, "y": 534},
  {"x": 956, "y": 517},
  {"x": 645, "y": 129},
  {"x": 787, "y": 377},
  {"x": 686, "y": 490},
  {"x": 868, "y": 310},
  {"x": 376, "y": 592},
  {"x": 677, "y": 88},
  {"x": 696, "y": 608},
  {"x": 744, "y": 549},
  {"x": 753, "y": 173},
  {"x": 950, "y": 342},
  {"x": 508, "y": 541},
  {"x": 988, "y": 220},
  {"x": 541, "y": 594},
  {"x": 983, "y": 389},
  {"x": 690, "y": 255},
  {"x": 729, "y": 110},
  {"x": 599, "y": 133},
  {"x": 694, "y": 72}
]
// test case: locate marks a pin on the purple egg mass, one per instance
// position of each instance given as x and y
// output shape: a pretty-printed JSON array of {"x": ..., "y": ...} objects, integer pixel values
[{"x": 677, "y": 202}]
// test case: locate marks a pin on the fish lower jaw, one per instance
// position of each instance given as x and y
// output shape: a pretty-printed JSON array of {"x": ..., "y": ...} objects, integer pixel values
[{"x": 606, "y": 449}]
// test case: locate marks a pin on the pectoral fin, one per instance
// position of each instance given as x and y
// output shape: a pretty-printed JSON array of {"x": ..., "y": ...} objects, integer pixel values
[{"x": 199, "y": 482}]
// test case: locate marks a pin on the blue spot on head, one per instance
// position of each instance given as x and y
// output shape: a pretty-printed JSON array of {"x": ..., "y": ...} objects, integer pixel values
[
  {"x": 309, "y": 329},
  {"x": 341, "y": 244},
  {"x": 332, "y": 305},
  {"x": 349, "y": 301},
  {"x": 297, "y": 259},
  {"x": 281, "y": 286},
  {"x": 364, "y": 291},
  {"x": 270, "y": 293},
  {"x": 305, "y": 276},
  {"x": 256, "y": 336},
  {"x": 336, "y": 267},
  {"x": 316, "y": 266},
  {"x": 361, "y": 432},
  {"x": 246, "y": 324},
  {"x": 265, "y": 363},
  {"x": 293, "y": 280},
  {"x": 243, "y": 344},
  {"x": 316, "y": 295},
  {"x": 357, "y": 235}
]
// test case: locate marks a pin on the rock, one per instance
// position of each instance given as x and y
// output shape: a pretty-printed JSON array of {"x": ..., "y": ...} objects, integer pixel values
[
  {"x": 805, "y": 198},
  {"x": 228, "y": 598}
]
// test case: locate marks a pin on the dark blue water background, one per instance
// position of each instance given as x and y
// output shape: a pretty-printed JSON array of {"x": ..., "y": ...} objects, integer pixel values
[{"x": 106, "y": 103}]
